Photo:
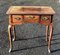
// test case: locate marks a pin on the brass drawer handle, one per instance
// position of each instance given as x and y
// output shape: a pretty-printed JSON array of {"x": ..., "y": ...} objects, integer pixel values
[
  {"x": 44, "y": 18},
  {"x": 30, "y": 16},
  {"x": 18, "y": 18}
]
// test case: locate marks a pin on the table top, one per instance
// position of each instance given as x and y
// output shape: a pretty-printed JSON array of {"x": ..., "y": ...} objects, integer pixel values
[{"x": 30, "y": 10}]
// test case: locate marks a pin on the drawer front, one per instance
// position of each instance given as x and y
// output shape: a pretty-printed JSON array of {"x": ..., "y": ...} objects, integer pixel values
[
  {"x": 45, "y": 20},
  {"x": 31, "y": 18},
  {"x": 17, "y": 18}
]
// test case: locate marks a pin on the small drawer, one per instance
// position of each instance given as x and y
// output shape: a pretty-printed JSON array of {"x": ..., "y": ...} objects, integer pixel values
[
  {"x": 45, "y": 20},
  {"x": 31, "y": 18},
  {"x": 17, "y": 18}
]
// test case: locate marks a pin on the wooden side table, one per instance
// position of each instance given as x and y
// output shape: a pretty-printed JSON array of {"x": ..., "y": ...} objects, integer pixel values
[{"x": 30, "y": 14}]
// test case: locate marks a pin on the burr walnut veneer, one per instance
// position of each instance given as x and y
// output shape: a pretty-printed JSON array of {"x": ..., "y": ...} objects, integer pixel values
[{"x": 30, "y": 14}]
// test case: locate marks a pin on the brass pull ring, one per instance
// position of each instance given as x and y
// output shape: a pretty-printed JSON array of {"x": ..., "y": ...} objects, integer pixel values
[
  {"x": 44, "y": 18},
  {"x": 18, "y": 18}
]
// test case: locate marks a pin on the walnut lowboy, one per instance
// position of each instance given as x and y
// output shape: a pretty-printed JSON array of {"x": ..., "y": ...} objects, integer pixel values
[{"x": 30, "y": 14}]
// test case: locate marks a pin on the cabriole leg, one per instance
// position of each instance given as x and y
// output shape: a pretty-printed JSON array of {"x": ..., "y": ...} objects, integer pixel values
[
  {"x": 47, "y": 33},
  {"x": 50, "y": 37},
  {"x": 10, "y": 37},
  {"x": 14, "y": 33}
]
